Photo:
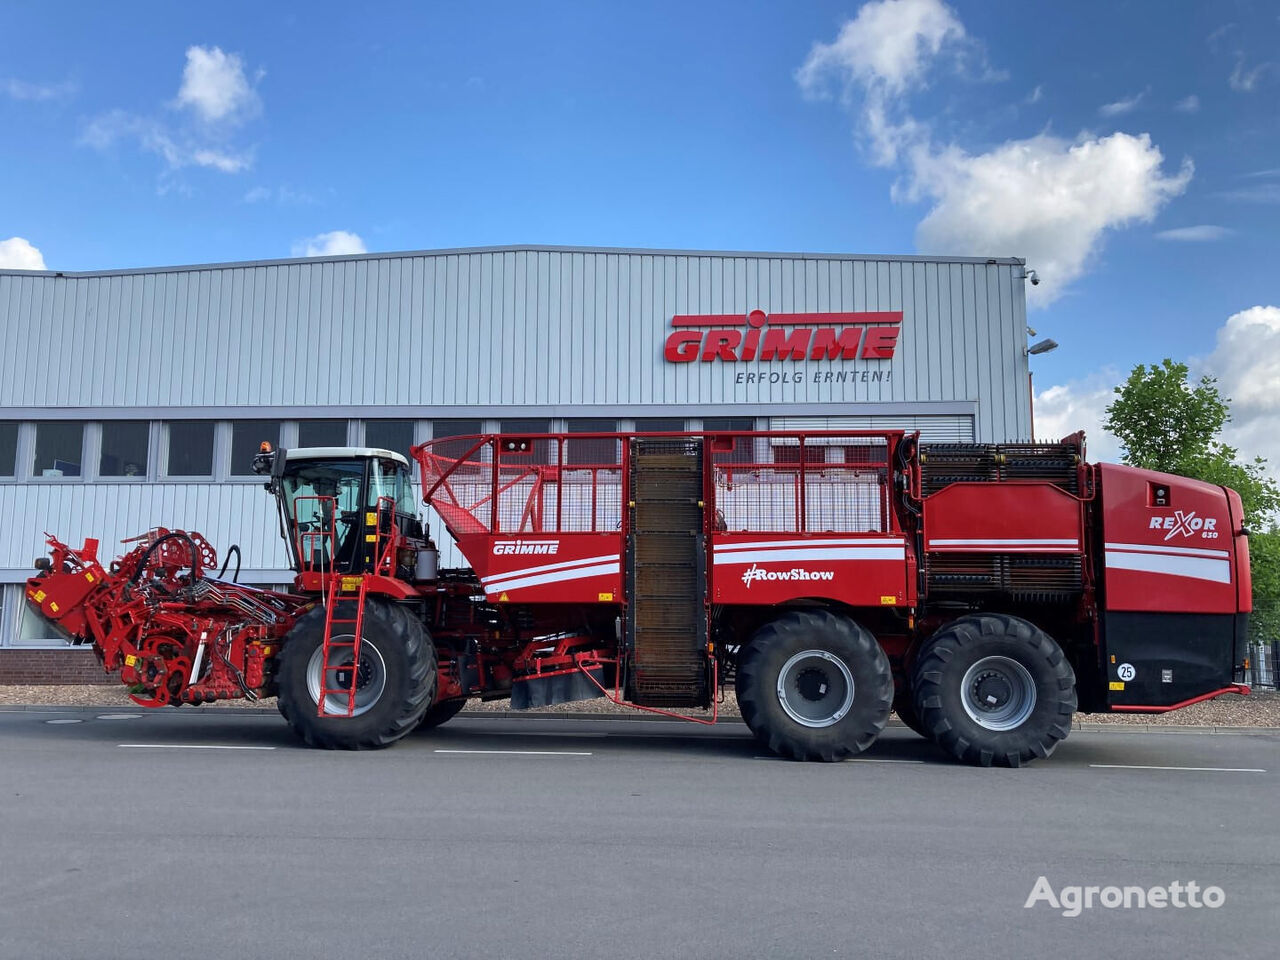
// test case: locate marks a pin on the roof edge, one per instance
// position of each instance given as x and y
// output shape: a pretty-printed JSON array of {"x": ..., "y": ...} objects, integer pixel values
[{"x": 517, "y": 248}]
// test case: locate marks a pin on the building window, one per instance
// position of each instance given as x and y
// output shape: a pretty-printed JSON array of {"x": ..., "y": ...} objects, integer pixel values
[
  {"x": 322, "y": 433},
  {"x": 592, "y": 450},
  {"x": 190, "y": 448},
  {"x": 59, "y": 448},
  {"x": 659, "y": 425},
  {"x": 440, "y": 429},
  {"x": 541, "y": 448},
  {"x": 33, "y": 629},
  {"x": 246, "y": 442},
  {"x": 8, "y": 448},
  {"x": 124, "y": 448},
  {"x": 743, "y": 447},
  {"x": 395, "y": 435}
]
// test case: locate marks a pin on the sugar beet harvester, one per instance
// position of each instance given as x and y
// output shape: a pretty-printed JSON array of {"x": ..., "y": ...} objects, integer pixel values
[{"x": 985, "y": 592}]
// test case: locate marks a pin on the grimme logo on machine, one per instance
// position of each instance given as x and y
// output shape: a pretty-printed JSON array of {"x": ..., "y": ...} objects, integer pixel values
[
  {"x": 526, "y": 546},
  {"x": 733, "y": 338}
]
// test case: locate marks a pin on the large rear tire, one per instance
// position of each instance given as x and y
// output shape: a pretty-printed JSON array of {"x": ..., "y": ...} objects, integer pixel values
[
  {"x": 814, "y": 685},
  {"x": 395, "y": 682},
  {"x": 994, "y": 689}
]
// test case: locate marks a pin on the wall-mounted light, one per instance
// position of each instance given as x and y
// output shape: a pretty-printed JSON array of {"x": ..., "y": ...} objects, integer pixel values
[{"x": 1043, "y": 346}]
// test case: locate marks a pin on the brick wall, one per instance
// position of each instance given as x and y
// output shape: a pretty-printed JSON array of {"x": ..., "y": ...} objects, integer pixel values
[{"x": 52, "y": 666}]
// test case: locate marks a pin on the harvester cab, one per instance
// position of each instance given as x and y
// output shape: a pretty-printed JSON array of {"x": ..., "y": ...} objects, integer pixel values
[{"x": 343, "y": 510}]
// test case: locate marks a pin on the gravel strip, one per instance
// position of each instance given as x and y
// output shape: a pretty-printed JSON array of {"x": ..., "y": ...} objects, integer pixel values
[{"x": 1259, "y": 710}]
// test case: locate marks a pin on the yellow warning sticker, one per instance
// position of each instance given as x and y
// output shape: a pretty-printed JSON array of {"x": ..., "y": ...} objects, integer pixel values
[
  {"x": 370, "y": 538},
  {"x": 53, "y": 606},
  {"x": 370, "y": 519},
  {"x": 130, "y": 660},
  {"x": 38, "y": 596},
  {"x": 350, "y": 583},
  {"x": 503, "y": 598},
  {"x": 88, "y": 576},
  {"x": 1117, "y": 684},
  {"x": 887, "y": 601},
  {"x": 605, "y": 598}
]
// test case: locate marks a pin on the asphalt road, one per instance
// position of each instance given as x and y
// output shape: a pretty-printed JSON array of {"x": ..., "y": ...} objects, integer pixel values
[{"x": 147, "y": 835}]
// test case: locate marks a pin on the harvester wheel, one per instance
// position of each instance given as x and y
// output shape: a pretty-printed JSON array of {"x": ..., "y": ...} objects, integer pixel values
[
  {"x": 440, "y": 713},
  {"x": 396, "y": 680},
  {"x": 994, "y": 689},
  {"x": 814, "y": 685}
]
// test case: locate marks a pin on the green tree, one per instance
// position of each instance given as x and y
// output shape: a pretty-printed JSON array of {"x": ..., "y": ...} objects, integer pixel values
[{"x": 1165, "y": 423}]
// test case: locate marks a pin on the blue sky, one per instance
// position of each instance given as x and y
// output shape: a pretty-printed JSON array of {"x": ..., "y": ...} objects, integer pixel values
[{"x": 1130, "y": 150}]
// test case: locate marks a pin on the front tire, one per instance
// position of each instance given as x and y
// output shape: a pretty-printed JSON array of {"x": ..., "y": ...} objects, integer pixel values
[
  {"x": 994, "y": 689},
  {"x": 396, "y": 680},
  {"x": 814, "y": 685}
]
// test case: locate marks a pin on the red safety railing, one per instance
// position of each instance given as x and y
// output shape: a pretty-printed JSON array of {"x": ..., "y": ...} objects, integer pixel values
[{"x": 760, "y": 482}]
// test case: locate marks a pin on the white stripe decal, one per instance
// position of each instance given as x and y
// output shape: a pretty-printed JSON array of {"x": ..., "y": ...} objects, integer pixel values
[
  {"x": 781, "y": 544},
  {"x": 525, "y": 571},
  {"x": 556, "y": 576},
  {"x": 849, "y": 553},
  {"x": 1197, "y": 568},
  {"x": 1004, "y": 543},
  {"x": 1180, "y": 551}
]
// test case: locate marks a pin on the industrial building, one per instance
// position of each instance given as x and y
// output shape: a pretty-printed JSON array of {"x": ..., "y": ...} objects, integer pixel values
[{"x": 136, "y": 398}]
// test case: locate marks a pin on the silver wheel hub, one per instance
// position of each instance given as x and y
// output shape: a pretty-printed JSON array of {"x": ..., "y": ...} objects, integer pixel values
[
  {"x": 998, "y": 693},
  {"x": 815, "y": 688},
  {"x": 371, "y": 677}
]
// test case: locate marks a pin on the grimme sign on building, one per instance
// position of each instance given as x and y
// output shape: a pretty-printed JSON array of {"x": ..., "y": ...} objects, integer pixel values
[{"x": 866, "y": 335}]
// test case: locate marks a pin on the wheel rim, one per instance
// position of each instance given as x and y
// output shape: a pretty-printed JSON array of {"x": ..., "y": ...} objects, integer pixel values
[
  {"x": 998, "y": 693},
  {"x": 371, "y": 677},
  {"x": 815, "y": 688}
]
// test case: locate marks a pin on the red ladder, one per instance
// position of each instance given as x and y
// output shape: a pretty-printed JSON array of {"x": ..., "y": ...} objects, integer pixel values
[{"x": 333, "y": 597}]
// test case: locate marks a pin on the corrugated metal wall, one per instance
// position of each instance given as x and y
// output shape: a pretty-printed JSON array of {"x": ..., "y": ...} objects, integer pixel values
[
  {"x": 496, "y": 332},
  {"x": 496, "y": 328}
]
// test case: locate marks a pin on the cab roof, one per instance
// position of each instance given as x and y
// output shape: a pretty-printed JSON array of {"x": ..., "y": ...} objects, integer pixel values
[{"x": 342, "y": 453}]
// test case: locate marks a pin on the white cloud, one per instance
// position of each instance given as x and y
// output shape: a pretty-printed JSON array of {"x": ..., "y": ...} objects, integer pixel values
[
  {"x": 1199, "y": 234},
  {"x": 24, "y": 90},
  {"x": 216, "y": 93},
  {"x": 1245, "y": 81},
  {"x": 214, "y": 85},
  {"x": 335, "y": 243},
  {"x": 281, "y": 195},
  {"x": 1246, "y": 361},
  {"x": 1188, "y": 104},
  {"x": 1064, "y": 408},
  {"x": 1122, "y": 106},
  {"x": 177, "y": 150},
  {"x": 18, "y": 254},
  {"x": 1262, "y": 193},
  {"x": 1036, "y": 95},
  {"x": 1045, "y": 198},
  {"x": 887, "y": 45}
]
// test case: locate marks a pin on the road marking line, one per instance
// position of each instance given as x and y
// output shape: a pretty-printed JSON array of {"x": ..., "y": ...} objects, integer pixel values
[
  {"x": 1140, "y": 766},
  {"x": 119, "y": 716},
  {"x": 187, "y": 746},
  {"x": 64, "y": 721},
  {"x": 527, "y": 753}
]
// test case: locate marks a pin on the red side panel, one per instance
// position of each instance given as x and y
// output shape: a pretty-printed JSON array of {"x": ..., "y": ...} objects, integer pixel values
[
  {"x": 863, "y": 570},
  {"x": 1166, "y": 552},
  {"x": 550, "y": 568},
  {"x": 1006, "y": 517}
]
